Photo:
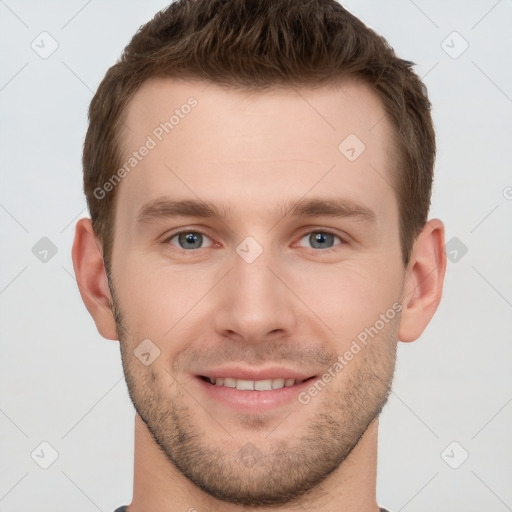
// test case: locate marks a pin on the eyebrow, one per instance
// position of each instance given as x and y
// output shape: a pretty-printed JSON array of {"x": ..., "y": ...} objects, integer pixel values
[{"x": 165, "y": 208}]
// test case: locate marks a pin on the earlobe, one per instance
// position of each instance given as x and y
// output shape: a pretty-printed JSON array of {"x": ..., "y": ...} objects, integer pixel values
[
  {"x": 424, "y": 281},
  {"x": 92, "y": 279}
]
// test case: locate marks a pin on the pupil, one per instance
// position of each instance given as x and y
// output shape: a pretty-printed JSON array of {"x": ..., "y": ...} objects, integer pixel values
[
  {"x": 321, "y": 240},
  {"x": 191, "y": 240}
]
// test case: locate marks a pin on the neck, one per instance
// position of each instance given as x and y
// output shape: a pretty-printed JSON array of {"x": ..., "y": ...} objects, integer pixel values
[{"x": 160, "y": 487}]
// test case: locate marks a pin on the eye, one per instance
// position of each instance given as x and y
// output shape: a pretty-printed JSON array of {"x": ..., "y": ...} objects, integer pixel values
[
  {"x": 191, "y": 240},
  {"x": 320, "y": 239},
  {"x": 187, "y": 239}
]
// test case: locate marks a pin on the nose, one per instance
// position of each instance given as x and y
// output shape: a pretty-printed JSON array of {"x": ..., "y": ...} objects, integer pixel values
[{"x": 256, "y": 301}]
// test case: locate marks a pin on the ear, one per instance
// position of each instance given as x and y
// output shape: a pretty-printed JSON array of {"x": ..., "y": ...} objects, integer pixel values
[
  {"x": 424, "y": 281},
  {"x": 92, "y": 278}
]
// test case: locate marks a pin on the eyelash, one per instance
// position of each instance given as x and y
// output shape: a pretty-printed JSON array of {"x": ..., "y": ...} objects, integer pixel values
[{"x": 195, "y": 232}]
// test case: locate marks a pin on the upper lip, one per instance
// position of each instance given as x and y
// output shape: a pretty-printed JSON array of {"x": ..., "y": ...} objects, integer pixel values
[{"x": 238, "y": 372}]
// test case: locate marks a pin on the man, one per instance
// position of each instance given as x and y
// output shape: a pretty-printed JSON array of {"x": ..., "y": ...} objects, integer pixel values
[{"x": 258, "y": 175}]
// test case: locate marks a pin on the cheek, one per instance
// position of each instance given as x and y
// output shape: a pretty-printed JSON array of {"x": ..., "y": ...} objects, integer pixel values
[
  {"x": 350, "y": 296},
  {"x": 157, "y": 300}
]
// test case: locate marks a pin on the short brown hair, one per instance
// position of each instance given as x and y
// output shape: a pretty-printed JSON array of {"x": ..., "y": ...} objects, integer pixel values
[{"x": 256, "y": 45}]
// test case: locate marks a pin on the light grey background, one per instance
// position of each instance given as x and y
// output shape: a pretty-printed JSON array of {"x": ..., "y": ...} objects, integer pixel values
[{"x": 61, "y": 383}]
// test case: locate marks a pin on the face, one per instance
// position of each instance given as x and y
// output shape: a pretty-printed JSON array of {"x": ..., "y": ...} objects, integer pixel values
[{"x": 288, "y": 272}]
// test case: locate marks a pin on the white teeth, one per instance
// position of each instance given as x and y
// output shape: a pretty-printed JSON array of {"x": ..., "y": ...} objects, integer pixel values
[
  {"x": 245, "y": 385},
  {"x": 263, "y": 385},
  {"x": 228, "y": 382},
  {"x": 250, "y": 385},
  {"x": 277, "y": 383}
]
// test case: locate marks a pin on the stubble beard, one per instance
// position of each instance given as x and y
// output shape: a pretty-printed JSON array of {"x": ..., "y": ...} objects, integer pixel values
[{"x": 274, "y": 470}]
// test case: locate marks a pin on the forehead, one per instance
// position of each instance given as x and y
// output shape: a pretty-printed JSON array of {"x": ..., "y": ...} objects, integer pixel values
[
  {"x": 328, "y": 110},
  {"x": 253, "y": 147}
]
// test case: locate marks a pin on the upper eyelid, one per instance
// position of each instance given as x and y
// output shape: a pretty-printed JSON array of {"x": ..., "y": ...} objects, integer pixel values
[{"x": 325, "y": 231}]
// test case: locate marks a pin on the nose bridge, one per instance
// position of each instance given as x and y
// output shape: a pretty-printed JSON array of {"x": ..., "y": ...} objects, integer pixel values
[
  {"x": 254, "y": 279},
  {"x": 255, "y": 301}
]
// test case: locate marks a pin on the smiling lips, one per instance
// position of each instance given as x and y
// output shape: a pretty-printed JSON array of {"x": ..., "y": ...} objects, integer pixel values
[
  {"x": 252, "y": 390},
  {"x": 253, "y": 379}
]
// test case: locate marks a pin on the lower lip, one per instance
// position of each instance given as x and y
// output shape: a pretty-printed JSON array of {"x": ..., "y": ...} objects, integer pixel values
[{"x": 253, "y": 401}]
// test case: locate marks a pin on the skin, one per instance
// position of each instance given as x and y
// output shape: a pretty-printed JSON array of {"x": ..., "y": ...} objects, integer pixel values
[{"x": 296, "y": 304}]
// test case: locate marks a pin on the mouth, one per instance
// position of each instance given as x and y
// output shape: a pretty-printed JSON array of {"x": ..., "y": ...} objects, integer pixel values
[
  {"x": 254, "y": 385},
  {"x": 248, "y": 390},
  {"x": 252, "y": 396}
]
